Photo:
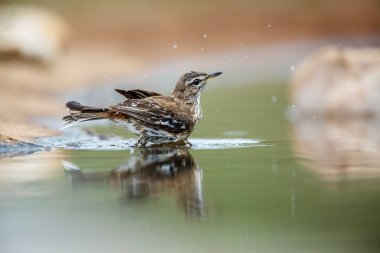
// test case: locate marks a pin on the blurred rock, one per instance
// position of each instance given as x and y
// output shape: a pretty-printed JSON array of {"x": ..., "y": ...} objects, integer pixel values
[
  {"x": 335, "y": 94},
  {"x": 32, "y": 33},
  {"x": 337, "y": 82}
]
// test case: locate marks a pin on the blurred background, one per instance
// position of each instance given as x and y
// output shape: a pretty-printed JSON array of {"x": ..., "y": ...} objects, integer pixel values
[
  {"x": 48, "y": 48},
  {"x": 55, "y": 46},
  {"x": 300, "y": 77}
]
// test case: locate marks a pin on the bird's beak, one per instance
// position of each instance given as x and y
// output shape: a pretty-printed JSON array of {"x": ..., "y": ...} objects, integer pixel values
[{"x": 214, "y": 75}]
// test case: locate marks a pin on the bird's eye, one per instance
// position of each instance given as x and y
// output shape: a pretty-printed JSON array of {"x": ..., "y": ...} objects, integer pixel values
[{"x": 196, "y": 82}]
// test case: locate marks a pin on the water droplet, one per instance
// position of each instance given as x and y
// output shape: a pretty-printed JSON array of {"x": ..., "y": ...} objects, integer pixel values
[
  {"x": 274, "y": 99},
  {"x": 292, "y": 68},
  {"x": 205, "y": 35},
  {"x": 175, "y": 46},
  {"x": 247, "y": 56},
  {"x": 241, "y": 44},
  {"x": 269, "y": 25}
]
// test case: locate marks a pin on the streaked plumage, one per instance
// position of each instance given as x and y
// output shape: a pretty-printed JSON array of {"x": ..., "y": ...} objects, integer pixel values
[{"x": 156, "y": 118}]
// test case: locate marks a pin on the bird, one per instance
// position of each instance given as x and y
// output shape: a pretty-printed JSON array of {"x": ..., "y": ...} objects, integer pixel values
[{"x": 156, "y": 118}]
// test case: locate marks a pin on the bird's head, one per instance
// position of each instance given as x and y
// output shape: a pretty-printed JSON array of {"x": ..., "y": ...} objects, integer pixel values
[{"x": 189, "y": 86}]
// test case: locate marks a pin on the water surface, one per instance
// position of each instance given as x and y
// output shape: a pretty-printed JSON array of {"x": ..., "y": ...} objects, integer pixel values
[{"x": 275, "y": 197}]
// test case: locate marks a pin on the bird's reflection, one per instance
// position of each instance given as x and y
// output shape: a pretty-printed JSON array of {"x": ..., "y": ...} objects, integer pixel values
[{"x": 151, "y": 171}]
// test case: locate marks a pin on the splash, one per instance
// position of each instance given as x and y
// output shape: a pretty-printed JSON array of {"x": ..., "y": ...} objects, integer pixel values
[{"x": 90, "y": 141}]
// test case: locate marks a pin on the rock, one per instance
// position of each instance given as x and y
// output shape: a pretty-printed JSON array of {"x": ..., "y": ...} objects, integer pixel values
[
  {"x": 32, "y": 33},
  {"x": 335, "y": 94},
  {"x": 337, "y": 82}
]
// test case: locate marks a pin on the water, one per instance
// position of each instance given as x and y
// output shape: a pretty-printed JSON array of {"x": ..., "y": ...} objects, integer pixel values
[{"x": 277, "y": 195}]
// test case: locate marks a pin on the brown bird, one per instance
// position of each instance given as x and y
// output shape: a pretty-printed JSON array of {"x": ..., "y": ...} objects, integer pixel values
[{"x": 156, "y": 118}]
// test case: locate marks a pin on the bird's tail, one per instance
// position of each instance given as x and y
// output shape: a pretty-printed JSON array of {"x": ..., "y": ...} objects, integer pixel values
[{"x": 80, "y": 113}]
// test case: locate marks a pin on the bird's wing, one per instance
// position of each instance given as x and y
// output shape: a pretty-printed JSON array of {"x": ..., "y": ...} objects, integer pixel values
[
  {"x": 137, "y": 94},
  {"x": 151, "y": 112}
]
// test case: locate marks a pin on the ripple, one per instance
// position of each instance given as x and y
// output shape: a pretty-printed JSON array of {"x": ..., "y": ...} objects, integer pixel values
[
  {"x": 85, "y": 141},
  {"x": 209, "y": 144}
]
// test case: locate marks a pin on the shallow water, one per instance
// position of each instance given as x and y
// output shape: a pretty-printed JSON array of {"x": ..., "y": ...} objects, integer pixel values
[{"x": 279, "y": 194}]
